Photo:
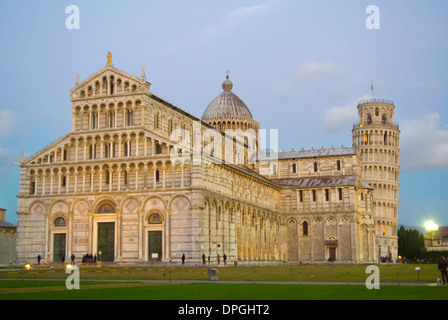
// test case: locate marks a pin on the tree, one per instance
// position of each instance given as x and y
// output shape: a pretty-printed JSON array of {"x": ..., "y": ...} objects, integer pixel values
[{"x": 411, "y": 243}]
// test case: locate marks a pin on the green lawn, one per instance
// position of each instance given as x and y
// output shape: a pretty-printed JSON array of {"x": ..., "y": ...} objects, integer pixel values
[
  {"x": 49, "y": 284},
  {"x": 217, "y": 291},
  {"x": 339, "y": 273}
]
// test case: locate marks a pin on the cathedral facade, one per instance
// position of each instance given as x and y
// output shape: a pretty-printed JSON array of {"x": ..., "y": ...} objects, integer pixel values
[{"x": 139, "y": 180}]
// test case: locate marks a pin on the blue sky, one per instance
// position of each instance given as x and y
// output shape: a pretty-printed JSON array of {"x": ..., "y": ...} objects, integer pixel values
[{"x": 300, "y": 66}]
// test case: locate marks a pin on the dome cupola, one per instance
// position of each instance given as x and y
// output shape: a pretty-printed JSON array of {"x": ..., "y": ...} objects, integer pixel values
[{"x": 228, "y": 111}]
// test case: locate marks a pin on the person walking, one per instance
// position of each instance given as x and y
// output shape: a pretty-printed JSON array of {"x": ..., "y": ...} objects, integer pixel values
[
  {"x": 183, "y": 258},
  {"x": 203, "y": 258},
  {"x": 442, "y": 265}
]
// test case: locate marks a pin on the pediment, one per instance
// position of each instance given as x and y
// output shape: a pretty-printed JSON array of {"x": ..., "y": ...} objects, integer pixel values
[
  {"x": 42, "y": 155},
  {"x": 96, "y": 85}
]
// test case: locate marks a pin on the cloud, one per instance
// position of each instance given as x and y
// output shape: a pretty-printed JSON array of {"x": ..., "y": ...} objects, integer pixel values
[
  {"x": 235, "y": 17},
  {"x": 423, "y": 144},
  {"x": 337, "y": 119},
  {"x": 7, "y": 123},
  {"x": 431, "y": 84},
  {"x": 310, "y": 71}
]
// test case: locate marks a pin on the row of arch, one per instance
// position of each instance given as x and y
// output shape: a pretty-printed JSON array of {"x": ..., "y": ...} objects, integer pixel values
[
  {"x": 107, "y": 85},
  {"x": 158, "y": 174},
  {"x": 363, "y": 137},
  {"x": 108, "y": 115},
  {"x": 133, "y": 217},
  {"x": 385, "y": 192},
  {"x": 233, "y": 124},
  {"x": 381, "y": 173},
  {"x": 82, "y": 206},
  {"x": 103, "y": 146},
  {"x": 379, "y": 155},
  {"x": 329, "y": 238},
  {"x": 244, "y": 232},
  {"x": 386, "y": 210}
]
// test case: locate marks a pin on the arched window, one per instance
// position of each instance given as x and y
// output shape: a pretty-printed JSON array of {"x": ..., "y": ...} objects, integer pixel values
[
  {"x": 369, "y": 119},
  {"x": 338, "y": 165},
  {"x": 156, "y": 120},
  {"x": 305, "y": 228},
  {"x": 111, "y": 119},
  {"x": 157, "y": 175},
  {"x": 125, "y": 177},
  {"x": 315, "y": 166},
  {"x": 94, "y": 120},
  {"x": 294, "y": 168},
  {"x": 129, "y": 118},
  {"x": 59, "y": 222},
  {"x": 107, "y": 177},
  {"x": 384, "y": 119},
  {"x": 377, "y": 112},
  {"x": 158, "y": 148}
]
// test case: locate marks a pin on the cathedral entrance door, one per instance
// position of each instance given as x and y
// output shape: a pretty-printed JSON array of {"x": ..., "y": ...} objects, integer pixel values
[
  {"x": 154, "y": 245},
  {"x": 59, "y": 247},
  {"x": 106, "y": 240},
  {"x": 332, "y": 254}
]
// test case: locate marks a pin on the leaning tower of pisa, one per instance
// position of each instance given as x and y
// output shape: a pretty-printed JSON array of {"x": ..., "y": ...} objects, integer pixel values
[{"x": 377, "y": 137}]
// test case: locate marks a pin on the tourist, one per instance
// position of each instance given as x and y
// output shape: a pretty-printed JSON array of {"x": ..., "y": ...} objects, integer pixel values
[{"x": 442, "y": 265}]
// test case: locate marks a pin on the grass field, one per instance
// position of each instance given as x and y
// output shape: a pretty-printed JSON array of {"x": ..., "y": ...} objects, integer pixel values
[
  {"x": 21, "y": 284},
  {"x": 12, "y": 290},
  {"x": 428, "y": 273}
]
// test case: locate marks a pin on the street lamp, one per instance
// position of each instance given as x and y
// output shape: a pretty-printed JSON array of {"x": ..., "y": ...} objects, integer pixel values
[{"x": 431, "y": 226}]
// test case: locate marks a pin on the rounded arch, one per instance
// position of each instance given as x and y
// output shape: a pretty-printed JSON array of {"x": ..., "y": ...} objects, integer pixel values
[
  {"x": 37, "y": 207},
  {"x": 129, "y": 204},
  {"x": 153, "y": 201},
  {"x": 179, "y": 202},
  {"x": 76, "y": 205},
  {"x": 97, "y": 205},
  {"x": 58, "y": 206}
]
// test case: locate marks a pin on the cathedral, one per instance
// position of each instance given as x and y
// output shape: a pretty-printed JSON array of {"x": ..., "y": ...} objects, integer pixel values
[{"x": 139, "y": 180}]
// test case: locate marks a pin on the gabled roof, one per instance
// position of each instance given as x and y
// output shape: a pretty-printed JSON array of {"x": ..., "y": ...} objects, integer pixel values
[
  {"x": 4, "y": 224},
  {"x": 318, "y": 182},
  {"x": 263, "y": 156},
  {"x": 105, "y": 70}
]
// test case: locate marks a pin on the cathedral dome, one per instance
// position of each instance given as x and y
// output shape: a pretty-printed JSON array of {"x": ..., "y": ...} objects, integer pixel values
[{"x": 227, "y": 105}]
